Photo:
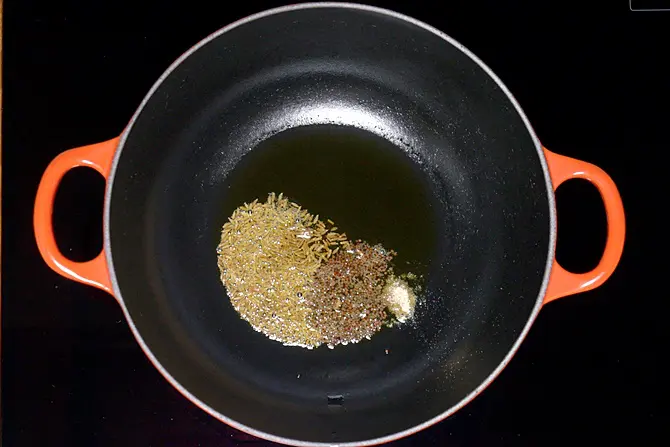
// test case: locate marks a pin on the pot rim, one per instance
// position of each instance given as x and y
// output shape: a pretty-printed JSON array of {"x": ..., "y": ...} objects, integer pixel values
[{"x": 295, "y": 442}]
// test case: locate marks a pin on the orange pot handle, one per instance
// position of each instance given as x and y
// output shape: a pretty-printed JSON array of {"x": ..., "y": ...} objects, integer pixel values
[
  {"x": 99, "y": 157},
  {"x": 562, "y": 282}
]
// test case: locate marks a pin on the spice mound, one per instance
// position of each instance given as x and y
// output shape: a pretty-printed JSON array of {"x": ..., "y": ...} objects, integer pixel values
[
  {"x": 346, "y": 295},
  {"x": 296, "y": 279}
]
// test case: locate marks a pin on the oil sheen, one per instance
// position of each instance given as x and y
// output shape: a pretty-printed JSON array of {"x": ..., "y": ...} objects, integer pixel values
[{"x": 366, "y": 184}]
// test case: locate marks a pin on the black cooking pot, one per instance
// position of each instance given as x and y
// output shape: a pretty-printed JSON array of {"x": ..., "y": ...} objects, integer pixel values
[{"x": 364, "y": 115}]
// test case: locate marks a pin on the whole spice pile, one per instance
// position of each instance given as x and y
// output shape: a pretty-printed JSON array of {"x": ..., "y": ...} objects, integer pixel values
[
  {"x": 346, "y": 296},
  {"x": 267, "y": 256},
  {"x": 298, "y": 281}
]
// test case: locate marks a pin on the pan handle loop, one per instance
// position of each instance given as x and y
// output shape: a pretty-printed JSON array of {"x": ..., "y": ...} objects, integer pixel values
[
  {"x": 99, "y": 157},
  {"x": 562, "y": 282}
]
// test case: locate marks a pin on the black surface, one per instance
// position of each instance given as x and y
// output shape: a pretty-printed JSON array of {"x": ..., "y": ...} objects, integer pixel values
[
  {"x": 175, "y": 187},
  {"x": 590, "y": 81}
]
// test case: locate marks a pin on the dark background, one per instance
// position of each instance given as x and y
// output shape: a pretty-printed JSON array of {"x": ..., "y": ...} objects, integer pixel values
[{"x": 593, "y": 82}]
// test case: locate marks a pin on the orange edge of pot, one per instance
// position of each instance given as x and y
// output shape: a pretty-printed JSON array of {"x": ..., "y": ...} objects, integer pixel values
[
  {"x": 561, "y": 282},
  {"x": 99, "y": 157}
]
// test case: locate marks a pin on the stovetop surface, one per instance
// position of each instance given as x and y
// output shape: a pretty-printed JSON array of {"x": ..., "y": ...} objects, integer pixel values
[{"x": 593, "y": 83}]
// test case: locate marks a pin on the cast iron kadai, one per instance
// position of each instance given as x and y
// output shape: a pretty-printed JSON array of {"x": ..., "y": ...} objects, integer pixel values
[{"x": 331, "y": 66}]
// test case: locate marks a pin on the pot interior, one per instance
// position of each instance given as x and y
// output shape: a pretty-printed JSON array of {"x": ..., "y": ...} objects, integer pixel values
[{"x": 386, "y": 128}]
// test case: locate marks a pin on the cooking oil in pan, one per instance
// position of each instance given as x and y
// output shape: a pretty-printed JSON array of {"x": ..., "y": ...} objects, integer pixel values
[
  {"x": 364, "y": 183},
  {"x": 361, "y": 181}
]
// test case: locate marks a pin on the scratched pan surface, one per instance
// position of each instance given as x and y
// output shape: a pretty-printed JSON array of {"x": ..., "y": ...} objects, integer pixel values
[{"x": 382, "y": 125}]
